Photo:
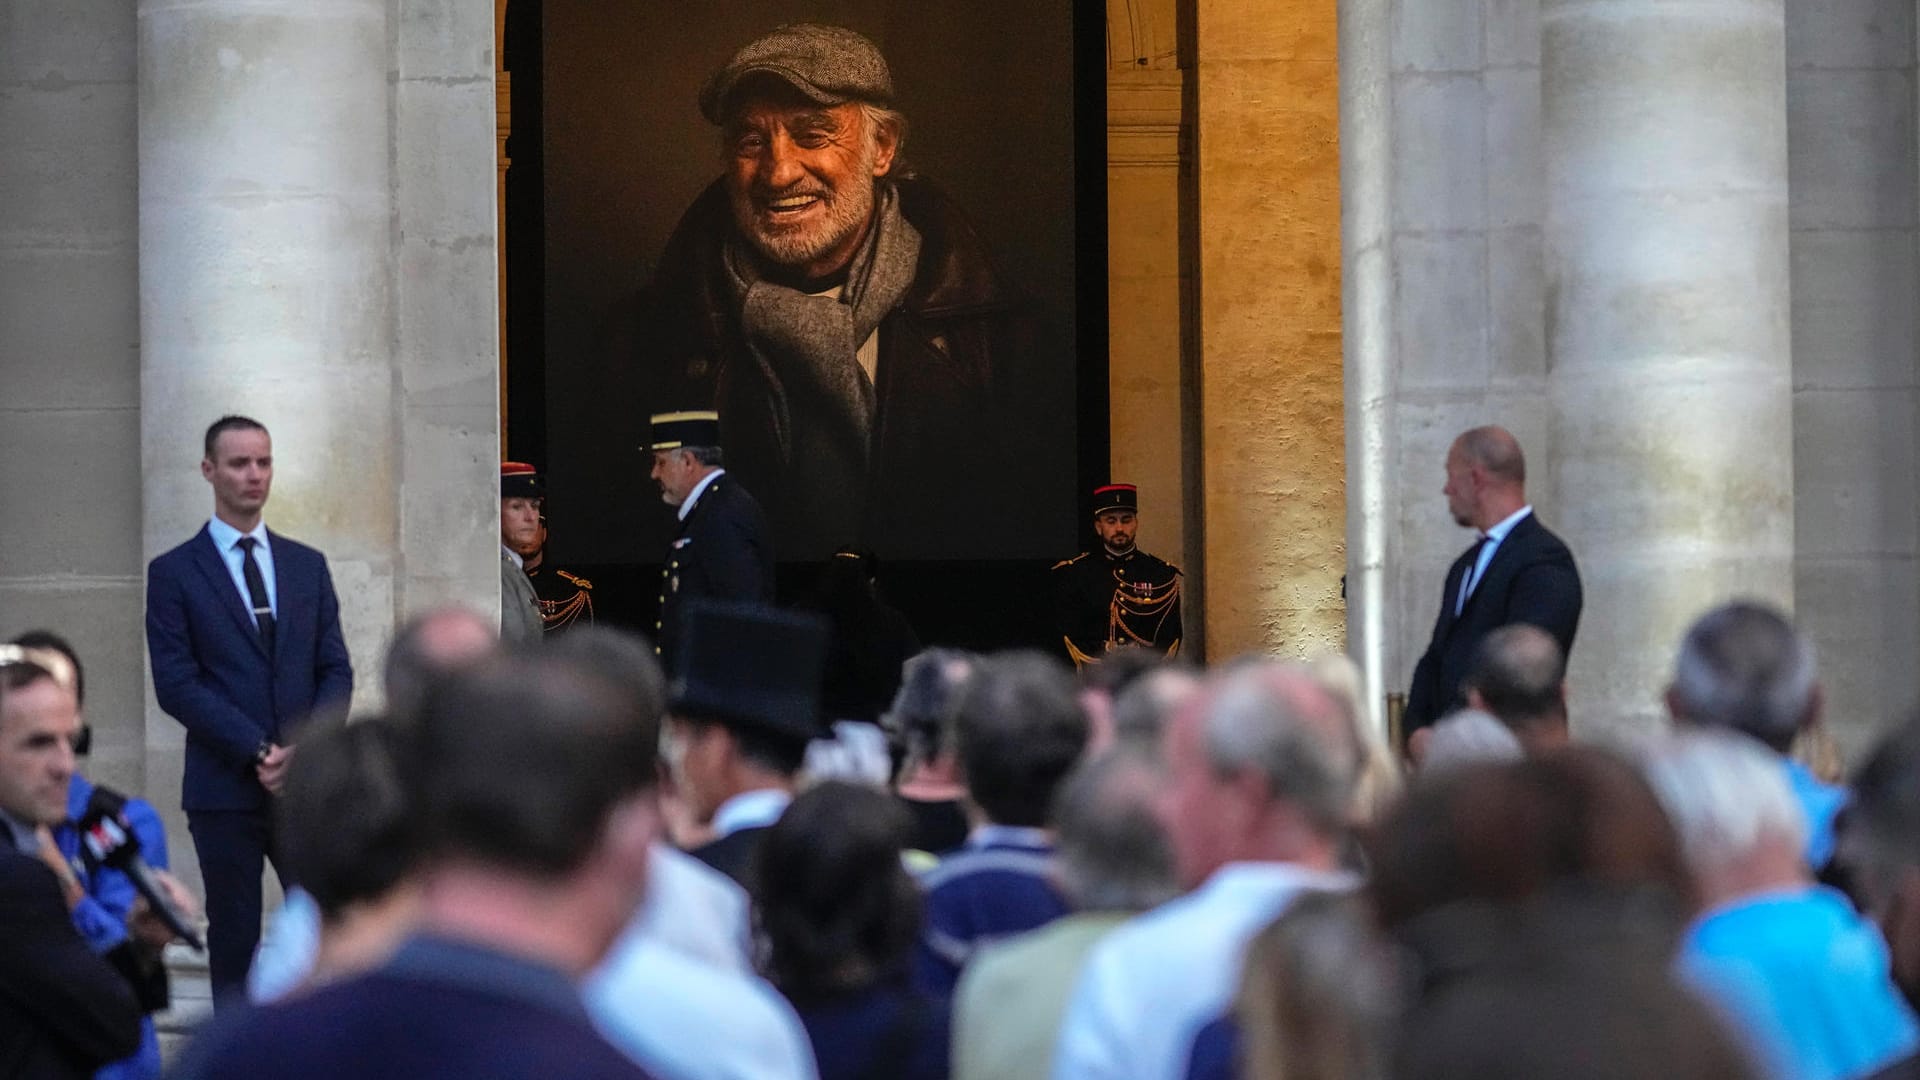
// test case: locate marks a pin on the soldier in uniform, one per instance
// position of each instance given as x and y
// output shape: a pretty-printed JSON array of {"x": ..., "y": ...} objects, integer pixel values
[
  {"x": 520, "y": 490},
  {"x": 721, "y": 550},
  {"x": 564, "y": 599},
  {"x": 1118, "y": 596}
]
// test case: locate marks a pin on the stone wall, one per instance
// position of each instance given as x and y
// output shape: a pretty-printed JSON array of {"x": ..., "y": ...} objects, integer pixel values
[
  {"x": 1851, "y": 147},
  {"x": 70, "y": 557}
]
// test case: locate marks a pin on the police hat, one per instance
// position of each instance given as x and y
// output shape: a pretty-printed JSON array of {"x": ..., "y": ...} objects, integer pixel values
[
  {"x": 673, "y": 430},
  {"x": 1116, "y": 497},
  {"x": 519, "y": 480},
  {"x": 750, "y": 666}
]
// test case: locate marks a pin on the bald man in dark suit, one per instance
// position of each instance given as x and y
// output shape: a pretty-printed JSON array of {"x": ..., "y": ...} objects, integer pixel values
[{"x": 1517, "y": 572}]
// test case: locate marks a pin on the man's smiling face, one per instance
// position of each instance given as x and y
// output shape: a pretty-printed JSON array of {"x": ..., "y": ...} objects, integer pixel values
[{"x": 800, "y": 178}]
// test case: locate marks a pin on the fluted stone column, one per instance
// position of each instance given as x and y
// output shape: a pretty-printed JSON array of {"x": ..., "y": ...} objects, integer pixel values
[
  {"x": 1668, "y": 345},
  {"x": 1366, "y": 227}
]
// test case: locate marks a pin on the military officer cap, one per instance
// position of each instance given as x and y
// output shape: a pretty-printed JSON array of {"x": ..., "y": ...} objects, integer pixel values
[
  {"x": 1116, "y": 497},
  {"x": 519, "y": 480},
  {"x": 828, "y": 65},
  {"x": 750, "y": 666},
  {"x": 673, "y": 430}
]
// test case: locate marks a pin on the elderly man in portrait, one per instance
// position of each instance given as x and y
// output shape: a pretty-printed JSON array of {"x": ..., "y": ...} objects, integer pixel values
[{"x": 841, "y": 313}]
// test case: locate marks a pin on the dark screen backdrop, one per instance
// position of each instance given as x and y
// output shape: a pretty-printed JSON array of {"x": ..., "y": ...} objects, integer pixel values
[{"x": 989, "y": 89}]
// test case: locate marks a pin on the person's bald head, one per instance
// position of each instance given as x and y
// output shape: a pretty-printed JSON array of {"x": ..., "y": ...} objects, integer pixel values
[
  {"x": 1486, "y": 477},
  {"x": 430, "y": 646},
  {"x": 1519, "y": 675}
]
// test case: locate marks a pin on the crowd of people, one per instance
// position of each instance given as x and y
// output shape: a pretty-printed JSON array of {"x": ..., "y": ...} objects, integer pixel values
[{"x": 1150, "y": 870}]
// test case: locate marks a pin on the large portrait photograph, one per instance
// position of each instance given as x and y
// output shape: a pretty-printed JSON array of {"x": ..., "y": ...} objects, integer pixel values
[{"x": 847, "y": 228}]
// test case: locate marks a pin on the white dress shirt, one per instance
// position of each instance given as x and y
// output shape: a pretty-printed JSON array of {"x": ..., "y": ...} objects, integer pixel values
[
  {"x": 750, "y": 810},
  {"x": 1478, "y": 570},
  {"x": 227, "y": 539},
  {"x": 1153, "y": 983},
  {"x": 519, "y": 560},
  {"x": 699, "y": 489},
  {"x": 694, "y": 909},
  {"x": 676, "y": 1016}
]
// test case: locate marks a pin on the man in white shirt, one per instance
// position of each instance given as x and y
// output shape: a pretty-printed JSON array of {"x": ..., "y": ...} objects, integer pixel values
[{"x": 1261, "y": 775}]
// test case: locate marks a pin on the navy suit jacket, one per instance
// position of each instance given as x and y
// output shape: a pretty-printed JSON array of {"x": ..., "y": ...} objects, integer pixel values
[
  {"x": 1530, "y": 579},
  {"x": 212, "y": 673},
  {"x": 63, "y": 1010}
]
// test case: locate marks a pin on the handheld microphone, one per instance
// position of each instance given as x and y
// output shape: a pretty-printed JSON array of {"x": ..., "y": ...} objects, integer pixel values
[{"x": 107, "y": 840}]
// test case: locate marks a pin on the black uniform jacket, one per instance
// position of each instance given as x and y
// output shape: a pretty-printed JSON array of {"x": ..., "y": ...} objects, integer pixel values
[
  {"x": 1131, "y": 599},
  {"x": 721, "y": 552}
]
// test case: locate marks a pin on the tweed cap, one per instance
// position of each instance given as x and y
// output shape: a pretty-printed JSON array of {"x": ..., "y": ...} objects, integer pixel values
[{"x": 828, "y": 64}]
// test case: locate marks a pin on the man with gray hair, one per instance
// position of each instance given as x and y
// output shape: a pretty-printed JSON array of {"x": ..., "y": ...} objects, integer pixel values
[
  {"x": 1111, "y": 863},
  {"x": 843, "y": 315},
  {"x": 1743, "y": 667},
  {"x": 1261, "y": 772},
  {"x": 1794, "y": 969}
]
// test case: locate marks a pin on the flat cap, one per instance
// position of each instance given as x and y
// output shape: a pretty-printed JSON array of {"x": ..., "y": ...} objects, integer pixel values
[{"x": 828, "y": 64}]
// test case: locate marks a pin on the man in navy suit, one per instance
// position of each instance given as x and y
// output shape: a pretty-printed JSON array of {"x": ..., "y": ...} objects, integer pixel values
[
  {"x": 243, "y": 630},
  {"x": 1518, "y": 572},
  {"x": 720, "y": 551}
]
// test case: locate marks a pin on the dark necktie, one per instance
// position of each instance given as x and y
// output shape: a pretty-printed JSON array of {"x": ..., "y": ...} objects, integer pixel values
[
  {"x": 1467, "y": 581},
  {"x": 257, "y": 592}
]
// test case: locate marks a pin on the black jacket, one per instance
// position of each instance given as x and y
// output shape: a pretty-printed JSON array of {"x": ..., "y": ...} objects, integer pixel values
[
  {"x": 721, "y": 552},
  {"x": 1531, "y": 579},
  {"x": 63, "y": 1010},
  {"x": 960, "y": 399}
]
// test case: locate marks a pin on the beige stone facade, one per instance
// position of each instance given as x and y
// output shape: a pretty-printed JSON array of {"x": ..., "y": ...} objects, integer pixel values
[{"x": 1333, "y": 245}]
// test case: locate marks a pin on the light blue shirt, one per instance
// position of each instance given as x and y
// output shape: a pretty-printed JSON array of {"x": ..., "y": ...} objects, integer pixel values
[
  {"x": 227, "y": 539},
  {"x": 750, "y": 810},
  {"x": 1803, "y": 979},
  {"x": 1821, "y": 802},
  {"x": 1495, "y": 536}
]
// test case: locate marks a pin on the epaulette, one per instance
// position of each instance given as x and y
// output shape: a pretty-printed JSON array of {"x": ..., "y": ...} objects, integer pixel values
[
  {"x": 580, "y": 581},
  {"x": 1070, "y": 562}
]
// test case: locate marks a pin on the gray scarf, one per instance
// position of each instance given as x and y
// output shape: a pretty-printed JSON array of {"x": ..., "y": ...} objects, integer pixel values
[{"x": 805, "y": 345}]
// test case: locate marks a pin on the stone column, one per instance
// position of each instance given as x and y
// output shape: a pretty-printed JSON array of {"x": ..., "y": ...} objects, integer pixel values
[
  {"x": 266, "y": 286},
  {"x": 69, "y": 355},
  {"x": 1668, "y": 344},
  {"x": 1366, "y": 257},
  {"x": 1273, "y": 448}
]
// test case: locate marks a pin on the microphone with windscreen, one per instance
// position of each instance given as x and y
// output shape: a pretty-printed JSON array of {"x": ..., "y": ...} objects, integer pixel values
[{"x": 107, "y": 840}]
